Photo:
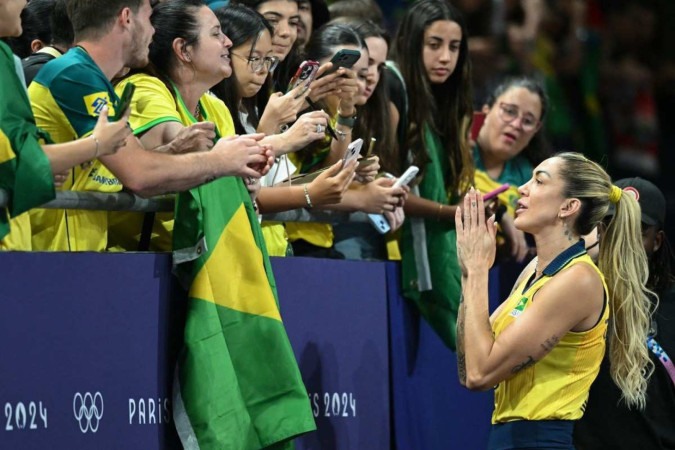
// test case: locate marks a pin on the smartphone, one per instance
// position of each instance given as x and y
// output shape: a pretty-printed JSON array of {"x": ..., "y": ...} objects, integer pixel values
[
  {"x": 378, "y": 220},
  {"x": 496, "y": 192},
  {"x": 407, "y": 176},
  {"x": 305, "y": 74},
  {"x": 352, "y": 151},
  {"x": 371, "y": 146},
  {"x": 125, "y": 100},
  {"x": 343, "y": 58},
  {"x": 477, "y": 124}
]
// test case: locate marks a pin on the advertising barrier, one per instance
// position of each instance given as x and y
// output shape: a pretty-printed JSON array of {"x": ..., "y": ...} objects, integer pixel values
[{"x": 89, "y": 342}]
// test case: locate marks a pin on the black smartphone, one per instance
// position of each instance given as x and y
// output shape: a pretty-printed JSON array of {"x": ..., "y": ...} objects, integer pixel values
[
  {"x": 125, "y": 100},
  {"x": 343, "y": 58}
]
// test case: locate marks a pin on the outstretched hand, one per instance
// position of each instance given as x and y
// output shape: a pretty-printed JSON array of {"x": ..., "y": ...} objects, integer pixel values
[
  {"x": 476, "y": 237},
  {"x": 111, "y": 135}
]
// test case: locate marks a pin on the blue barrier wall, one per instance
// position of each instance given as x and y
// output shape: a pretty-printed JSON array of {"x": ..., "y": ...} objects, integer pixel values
[{"x": 88, "y": 343}]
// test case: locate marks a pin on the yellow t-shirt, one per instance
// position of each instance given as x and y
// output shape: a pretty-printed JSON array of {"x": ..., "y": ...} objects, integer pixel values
[
  {"x": 18, "y": 238},
  {"x": 67, "y": 96},
  {"x": 557, "y": 386},
  {"x": 152, "y": 104}
]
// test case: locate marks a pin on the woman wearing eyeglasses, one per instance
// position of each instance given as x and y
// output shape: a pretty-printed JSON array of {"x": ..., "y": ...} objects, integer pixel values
[
  {"x": 505, "y": 150},
  {"x": 244, "y": 91}
]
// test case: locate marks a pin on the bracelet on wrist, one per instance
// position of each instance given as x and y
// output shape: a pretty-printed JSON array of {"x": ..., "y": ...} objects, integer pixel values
[
  {"x": 97, "y": 145},
  {"x": 346, "y": 119},
  {"x": 341, "y": 134},
  {"x": 307, "y": 199},
  {"x": 438, "y": 213}
]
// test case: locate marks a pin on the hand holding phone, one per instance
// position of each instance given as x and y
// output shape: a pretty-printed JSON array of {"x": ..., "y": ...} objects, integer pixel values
[
  {"x": 343, "y": 58},
  {"x": 378, "y": 220},
  {"x": 305, "y": 74},
  {"x": 125, "y": 100},
  {"x": 496, "y": 192},
  {"x": 352, "y": 151}
]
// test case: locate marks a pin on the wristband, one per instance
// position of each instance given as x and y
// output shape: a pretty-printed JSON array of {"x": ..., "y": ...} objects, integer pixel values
[
  {"x": 307, "y": 199},
  {"x": 346, "y": 121}
]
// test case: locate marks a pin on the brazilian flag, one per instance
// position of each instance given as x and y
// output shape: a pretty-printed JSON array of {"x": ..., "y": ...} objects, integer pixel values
[
  {"x": 237, "y": 383},
  {"x": 25, "y": 172},
  {"x": 430, "y": 269}
]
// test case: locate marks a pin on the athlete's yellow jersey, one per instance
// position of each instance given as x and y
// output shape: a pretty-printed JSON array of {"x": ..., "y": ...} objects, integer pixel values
[
  {"x": 154, "y": 103},
  {"x": 557, "y": 386},
  {"x": 67, "y": 96}
]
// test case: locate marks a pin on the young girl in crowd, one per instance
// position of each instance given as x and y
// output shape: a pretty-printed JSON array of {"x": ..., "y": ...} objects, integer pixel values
[
  {"x": 543, "y": 346},
  {"x": 431, "y": 53},
  {"x": 506, "y": 149},
  {"x": 251, "y": 38},
  {"x": 189, "y": 54},
  {"x": 361, "y": 240},
  {"x": 369, "y": 196},
  {"x": 284, "y": 17}
]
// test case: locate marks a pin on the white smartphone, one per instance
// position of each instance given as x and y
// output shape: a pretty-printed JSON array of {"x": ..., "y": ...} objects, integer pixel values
[
  {"x": 353, "y": 151},
  {"x": 378, "y": 220}
]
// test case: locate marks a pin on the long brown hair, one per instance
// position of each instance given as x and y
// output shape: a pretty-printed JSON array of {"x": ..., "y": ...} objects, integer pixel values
[{"x": 446, "y": 108}]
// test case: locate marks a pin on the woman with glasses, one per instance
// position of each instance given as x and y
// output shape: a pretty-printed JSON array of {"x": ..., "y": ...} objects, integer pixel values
[
  {"x": 506, "y": 150},
  {"x": 252, "y": 49},
  {"x": 285, "y": 18},
  {"x": 281, "y": 107},
  {"x": 369, "y": 195}
]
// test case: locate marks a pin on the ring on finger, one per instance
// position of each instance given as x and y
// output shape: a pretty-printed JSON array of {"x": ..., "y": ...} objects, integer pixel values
[{"x": 319, "y": 128}]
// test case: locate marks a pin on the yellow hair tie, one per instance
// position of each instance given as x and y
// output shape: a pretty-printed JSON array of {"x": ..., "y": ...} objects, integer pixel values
[{"x": 615, "y": 194}]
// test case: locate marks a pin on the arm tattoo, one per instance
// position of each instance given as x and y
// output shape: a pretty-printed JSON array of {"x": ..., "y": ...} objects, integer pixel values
[
  {"x": 461, "y": 366},
  {"x": 550, "y": 343},
  {"x": 524, "y": 365},
  {"x": 461, "y": 359}
]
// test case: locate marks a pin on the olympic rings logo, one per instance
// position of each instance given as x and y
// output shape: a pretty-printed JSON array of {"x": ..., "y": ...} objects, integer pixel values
[{"x": 88, "y": 410}]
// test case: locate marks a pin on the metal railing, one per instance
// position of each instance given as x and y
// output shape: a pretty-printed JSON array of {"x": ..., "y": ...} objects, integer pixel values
[{"x": 125, "y": 201}]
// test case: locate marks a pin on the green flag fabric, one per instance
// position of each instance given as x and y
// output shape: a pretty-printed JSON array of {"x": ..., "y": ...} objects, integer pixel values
[
  {"x": 25, "y": 172},
  {"x": 430, "y": 269},
  {"x": 237, "y": 383}
]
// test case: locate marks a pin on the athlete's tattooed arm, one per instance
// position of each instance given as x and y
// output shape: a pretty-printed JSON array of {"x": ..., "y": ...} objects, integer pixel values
[
  {"x": 461, "y": 358},
  {"x": 547, "y": 345},
  {"x": 524, "y": 365},
  {"x": 550, "y": 343}
]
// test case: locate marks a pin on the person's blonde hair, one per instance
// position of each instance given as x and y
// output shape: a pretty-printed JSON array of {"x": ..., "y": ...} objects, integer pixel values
[{"x": 623, "y": 262}]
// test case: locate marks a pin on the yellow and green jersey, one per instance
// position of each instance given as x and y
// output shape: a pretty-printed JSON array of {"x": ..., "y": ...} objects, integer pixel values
[
  {"x": 557, "y": 386},
  {"x": 154, "y": 103},
  {"x": 67, "y": 96}
]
